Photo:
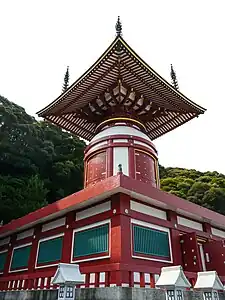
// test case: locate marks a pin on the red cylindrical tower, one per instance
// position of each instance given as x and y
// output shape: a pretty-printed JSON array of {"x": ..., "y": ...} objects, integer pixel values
[{"x": 121, "y": 141}]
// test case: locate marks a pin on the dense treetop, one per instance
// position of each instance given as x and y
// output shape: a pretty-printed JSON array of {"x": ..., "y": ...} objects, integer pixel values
[
  {"x": 206, "y": 189},
  {"x": 40, "y": 163}
]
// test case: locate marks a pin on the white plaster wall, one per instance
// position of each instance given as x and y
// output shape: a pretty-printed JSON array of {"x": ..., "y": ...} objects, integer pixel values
[
  {"x": 120, "y": 156},
  {"x": 116, "y": 130},
  {"x": 93, "y": 210},
  {"x": 143, "y": 144},
  {"x": 25, "y": 234},
  {"x": 120, "y": 141},
  {"x": 189, "y": 223},
  {"x": 218, "y": 232},
  {"x": 54, "y": 224},
  {"x": 145, "y": 209},
  {"x": 98, "y": 145},
  {"x": 5, "y": 241}
]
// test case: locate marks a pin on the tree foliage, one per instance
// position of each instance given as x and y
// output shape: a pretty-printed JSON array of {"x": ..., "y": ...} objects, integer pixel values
[
  {"x": 40, "y": 163},
  {"x": 206, "y": 189}
]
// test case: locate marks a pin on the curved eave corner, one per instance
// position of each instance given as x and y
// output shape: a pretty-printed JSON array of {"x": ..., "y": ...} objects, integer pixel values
[
  {"x": 42, "y": 112},
  {"x": 161, "y": 79}
]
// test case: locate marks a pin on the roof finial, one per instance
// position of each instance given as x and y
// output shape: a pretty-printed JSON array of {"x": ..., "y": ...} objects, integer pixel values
[
  {"x": 174, "y": 78},
  {"x": 66, "y": 80},
  {"x": 118, "y": 27}
]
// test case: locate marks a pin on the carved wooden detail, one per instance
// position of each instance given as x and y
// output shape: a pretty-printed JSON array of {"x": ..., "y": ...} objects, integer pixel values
[{"x": 121, "y": 100}]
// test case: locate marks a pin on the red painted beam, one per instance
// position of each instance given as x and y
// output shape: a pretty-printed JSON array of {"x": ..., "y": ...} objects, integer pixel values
[{"x": 110, "y": 185}]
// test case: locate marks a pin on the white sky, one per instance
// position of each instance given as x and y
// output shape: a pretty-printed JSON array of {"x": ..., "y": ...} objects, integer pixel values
[{"x": 38, "y": 39}]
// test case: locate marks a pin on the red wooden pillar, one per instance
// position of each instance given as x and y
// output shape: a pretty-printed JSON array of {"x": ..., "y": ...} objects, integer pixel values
[
  {"x": 142, "y": 279},
  {"x": 120, "y": 237},
  {"x": 97, "y": 279},
  {"x": 42, "y": 283},
  {"x": 207, "y": 228},
  {"x": 131, "y": 279},
  {"x": 26, "y": 283},
  {"x": 87, "y": 280},
  {"x": 68, "y": 238},
  {"x": 48, "y": 284},
  {"x": 175, "y": 238},
  {"x": 131, "y": 154},
  {"x": 30, "y": 284},
  {"x": 152, "y": 281},
  {"x": 192, "y": 281},
  {"x": 9, "y": 255},
  {"x": 35, "y": 283},
  {"x": 20, "y": 284},
  {"x": 33, "y": 252},
  {"x": 107, "y": 279}
]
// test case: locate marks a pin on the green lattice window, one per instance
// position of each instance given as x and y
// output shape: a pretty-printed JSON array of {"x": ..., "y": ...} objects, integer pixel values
[
  {"x": 20, "y": 258},
  {"x": 50, "y": 250},
  {"x": 3, "y": 256},
  {"x": 151, "y": 242},
  {"x": 91, "y": 241}
]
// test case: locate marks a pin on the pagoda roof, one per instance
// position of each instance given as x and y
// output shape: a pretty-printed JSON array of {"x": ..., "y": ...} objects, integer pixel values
[
  {"x": 104, "y": 190},
  {"x": 120, "y": 82}
]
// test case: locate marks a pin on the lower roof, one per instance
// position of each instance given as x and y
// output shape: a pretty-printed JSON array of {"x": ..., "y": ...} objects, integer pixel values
[{"x": 106, "y": 188}]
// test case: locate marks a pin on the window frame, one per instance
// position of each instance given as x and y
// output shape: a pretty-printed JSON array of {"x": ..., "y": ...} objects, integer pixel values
[
  {"x": 3, "y": 252},
  {"x": 69, "y": 291},
  {"x": 153, "y": 227},
  {"x": 50, "y": 264},
  {"x": 179, "y": 294},
  {"x": 215, "y": 295},
  {"x": 11, "y": 260},
  {"x": 61, "y": 292},
  {"x": 171, "y": 295},
  {"x": 96, "y": 256},
  {"x": 208, "y": 295}
]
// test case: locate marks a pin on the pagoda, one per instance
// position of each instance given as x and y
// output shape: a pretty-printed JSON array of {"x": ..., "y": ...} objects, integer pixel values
[{"x": 121, "y": 228}]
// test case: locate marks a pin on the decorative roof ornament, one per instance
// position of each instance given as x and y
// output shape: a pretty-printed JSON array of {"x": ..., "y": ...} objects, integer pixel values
[
  {"x": 66, "y": 80},
  {"x": 120, "y": 169},
  {"x": 174, "y": 78},
  {"x": 118, "y": 27}
]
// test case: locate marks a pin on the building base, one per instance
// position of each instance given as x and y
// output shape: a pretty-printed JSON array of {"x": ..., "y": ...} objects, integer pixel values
[{"x": 109, "y": 293}]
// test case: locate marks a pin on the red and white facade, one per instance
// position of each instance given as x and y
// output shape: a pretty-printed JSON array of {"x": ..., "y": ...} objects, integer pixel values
[
  {"x": 120, "y": 141},
  {"x": 121, "y": 228},
  {"x": 195, "y": 236}
]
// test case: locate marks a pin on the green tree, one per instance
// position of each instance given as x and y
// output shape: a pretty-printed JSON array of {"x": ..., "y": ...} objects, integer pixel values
[
  {"x": 35, "y": 158},
  {"x": 20, "y": 196},
  {"x": 214, "y": 198}
]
